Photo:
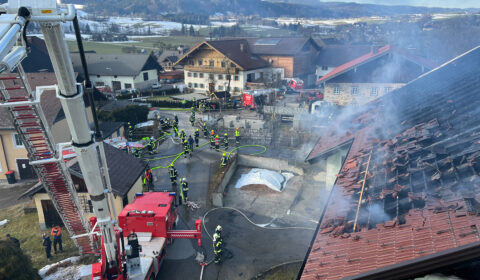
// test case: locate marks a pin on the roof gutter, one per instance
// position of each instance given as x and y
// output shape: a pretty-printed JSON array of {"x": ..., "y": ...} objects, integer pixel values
[{"x": 422, "y": 265}]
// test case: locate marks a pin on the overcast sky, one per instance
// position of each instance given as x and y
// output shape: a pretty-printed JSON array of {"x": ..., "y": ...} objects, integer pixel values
[{"x": 426, "y": 3}]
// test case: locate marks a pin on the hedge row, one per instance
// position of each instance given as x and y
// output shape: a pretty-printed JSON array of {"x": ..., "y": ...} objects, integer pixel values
[{"x": 148, "y": 93}]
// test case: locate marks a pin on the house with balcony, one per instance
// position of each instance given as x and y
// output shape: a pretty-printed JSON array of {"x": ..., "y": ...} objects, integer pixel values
[
  {"x": 225, "y": 64},
  {"x": 372, "y": 75}
]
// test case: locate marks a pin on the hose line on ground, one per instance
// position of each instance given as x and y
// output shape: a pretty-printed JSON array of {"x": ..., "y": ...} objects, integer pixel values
[{"x": 245, "y": 216}]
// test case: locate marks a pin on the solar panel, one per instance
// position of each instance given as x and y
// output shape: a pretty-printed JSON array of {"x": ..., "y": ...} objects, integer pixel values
[{"x": 267, "y": 41}]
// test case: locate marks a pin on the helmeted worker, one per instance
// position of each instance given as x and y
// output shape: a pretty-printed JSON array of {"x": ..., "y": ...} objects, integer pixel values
[
  {"x": 197, "y": 137},
  {"x": 218, "y": 244},
  {"x": 175, "y": 127},
  {"x": 186, "y": 148},
  {"x": 237, "y": 136},
  {"x": 225, "y": 141},
  {"x": 205, "y": 130},
  {"x": 149, "y": 146},
  {"x": 176, "y": 119},
  {"x": 173, "y": 174},
  {"x": 148, "y": 180},
  {"x": 224, "y": 159},
  {"x": 135, "y": 152},
  {"x": 192, "y": 118},
  {"x": 183, "y": 136},
  {"x": 57, "y": 238},
  {"x": 183, "y": 190},
  {"x": 212, "y": 141},
  {"x": 130, "y": 130},
  {"x": 212, "y": 133},
  {"x": 217, "y": 143},
  {"x": 190, "y": 143}
]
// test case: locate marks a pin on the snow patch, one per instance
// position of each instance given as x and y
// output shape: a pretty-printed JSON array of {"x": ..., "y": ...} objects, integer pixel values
[
  {"x": 3, "y": 222},
  {"x": 64, "y": 269},
  {"x": 273, "y": 180}
]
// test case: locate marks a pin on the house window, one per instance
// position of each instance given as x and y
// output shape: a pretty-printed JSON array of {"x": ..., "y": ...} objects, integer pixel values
[
  {"x": 220, "y": 87},
  {"x": 195, "y": 75},
  {"x": 374, "y": 91},
  {"x": 128, "y": 85},
  {"x": 200, "y": 75},
  {"x": 229, "y": 77},
  {"x": 224, "y": 64},
  {"x": 195, "y": 85},
  {"x": 200, "y": 62},
  {"x": 115, "y": 76},
  {"x": 189, "y": 85},
  {"x": 324, "y": 68},
  {"x": 336, "y": 90},
  {"x": 99, "y": 84},
  {"x": 211, "y": 76},
  {"x": 220, "y": 77},
  {"x": 232, "y": 65},
  {"x": 235, "y": 78},
  {"x": 189, "y": 74},
  {"x": 236, "y": 89},
  {"x": 17, "y": 141},
  {"x": 145, "y": 76},
  {"x": 211, "y": 63},
  {"x": 202, "y": 86},
  {"x": 354, "y": 91},
  {"x": 387, "y": 89}
]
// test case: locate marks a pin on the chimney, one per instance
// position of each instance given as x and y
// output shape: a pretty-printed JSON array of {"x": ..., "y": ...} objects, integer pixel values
[{"x": 241, "y": 47}]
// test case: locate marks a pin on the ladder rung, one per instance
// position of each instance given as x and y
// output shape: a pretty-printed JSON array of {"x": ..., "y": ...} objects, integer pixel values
[
  {"x": 25, "y": 117},
  {"x": 14, "y": 88},
  {"x": 22, "y": 108},
  {"x": 9, "y": 78}
]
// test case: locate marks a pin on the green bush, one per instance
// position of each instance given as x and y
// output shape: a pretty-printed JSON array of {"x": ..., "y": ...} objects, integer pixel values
[{"x": 14, "y": 264}]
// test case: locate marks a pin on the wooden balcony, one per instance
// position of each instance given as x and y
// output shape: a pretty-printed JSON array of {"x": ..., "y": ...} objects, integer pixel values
[{"x": 210, "y": 69}]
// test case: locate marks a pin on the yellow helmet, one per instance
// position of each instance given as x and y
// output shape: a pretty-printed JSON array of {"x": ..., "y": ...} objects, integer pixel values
[
  {"x": 223, "y": 154},
  {"x": 226, "y": 134},
  {"x": 183, "y": 129},
  {"x": 216, "y": 135},
  {"x": 197, "y": 129}
]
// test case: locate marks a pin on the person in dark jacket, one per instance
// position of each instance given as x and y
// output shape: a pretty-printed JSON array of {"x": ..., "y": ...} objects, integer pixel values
[
  {"x": 13, "y": 239},
  {"x": 47, "y": 243}
]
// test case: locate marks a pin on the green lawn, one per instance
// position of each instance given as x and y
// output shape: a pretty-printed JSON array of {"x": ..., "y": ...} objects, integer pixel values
[
  {"x": 25, "y": 228},
  {"x": 101, "y": 48}
]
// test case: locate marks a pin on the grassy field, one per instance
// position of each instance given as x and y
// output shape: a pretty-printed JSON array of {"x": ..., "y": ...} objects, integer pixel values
[
  {"x": 101, "y": 48},
  {"x": 25, "y": 228}
]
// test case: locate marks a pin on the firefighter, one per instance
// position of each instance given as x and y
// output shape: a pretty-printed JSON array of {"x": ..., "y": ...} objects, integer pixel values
[
  {"x": 57, "y": 238},
  {"x": 212, "y": 141},
  {"x": 225, "y": 141},
  {"x": 173, "y": 174},
  {"x": 205, "y": 130},
  {"x": 183, "y": 190},
  {"x": 190, "y": 144},
  {"x": 149, "y": 146},
  {"x": 224, "y": 159},
  {"x": 186, "y": 148},
  {"x": 192, "y": 117},
  {"x": 175, "y": 127},
  {"x": 182, "y": 135},
  {"x": 237, "y": 136},
  {"x": 217, "y": 143},
  {"x": 148, "y": 181},
  {"x": 176, "y": 119},
  {"x": 212, "y": 133},
  {"x": 130, "y": 130},
  {"x": 218, "y": 244},
  {"x": 197, "y": 136}
]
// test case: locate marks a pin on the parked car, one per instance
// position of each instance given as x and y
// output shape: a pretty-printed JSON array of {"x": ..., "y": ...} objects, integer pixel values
[{"x": 156, "y": 86}]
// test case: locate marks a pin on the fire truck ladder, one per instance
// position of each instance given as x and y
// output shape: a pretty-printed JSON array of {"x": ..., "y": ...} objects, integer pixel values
[{"x": 30, "y": 123}]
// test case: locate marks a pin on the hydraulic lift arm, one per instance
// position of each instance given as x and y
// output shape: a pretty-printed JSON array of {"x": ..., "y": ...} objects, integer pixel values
[{"x": 50, "y": 15}]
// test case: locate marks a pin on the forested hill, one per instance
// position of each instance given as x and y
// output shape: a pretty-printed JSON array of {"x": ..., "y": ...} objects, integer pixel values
[{"x": 153, "y": 8}]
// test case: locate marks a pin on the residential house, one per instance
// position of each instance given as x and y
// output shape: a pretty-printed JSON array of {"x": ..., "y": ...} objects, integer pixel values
[
  {"x": 126, "y": 176},
  {"x": 168, "y": 58},
  {"x": 374, "y": 74},
  {"x": 404, "y": 204},
  {"x": 119, "y": 71},
  {"x": 296, "y": 55},
  {"x": 332, "y": 56},
  {"x": 214, "y": 65}
]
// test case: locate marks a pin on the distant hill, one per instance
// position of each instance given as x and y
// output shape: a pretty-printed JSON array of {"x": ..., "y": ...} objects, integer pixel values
[{"x": 272, "y": 8}]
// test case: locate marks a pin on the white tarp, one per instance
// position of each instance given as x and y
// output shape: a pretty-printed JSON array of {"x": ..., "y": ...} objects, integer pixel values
[{"x": 269, "y": 178}]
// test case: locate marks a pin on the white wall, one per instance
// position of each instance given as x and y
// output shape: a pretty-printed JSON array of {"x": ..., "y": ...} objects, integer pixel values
[
  {"x": 136, "y": 82},
  {"x": 320, "y": 73}
]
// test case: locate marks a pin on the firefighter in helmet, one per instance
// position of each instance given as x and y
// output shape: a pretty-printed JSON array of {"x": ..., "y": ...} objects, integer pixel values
[{"x": 218, "y": 244}]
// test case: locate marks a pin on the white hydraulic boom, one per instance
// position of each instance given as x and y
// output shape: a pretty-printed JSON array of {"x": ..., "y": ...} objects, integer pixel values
[{"x": 49, "y": 14}]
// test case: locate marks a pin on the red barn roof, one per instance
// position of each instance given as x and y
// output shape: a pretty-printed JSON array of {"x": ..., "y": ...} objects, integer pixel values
[{"x": 410, "y": 184}]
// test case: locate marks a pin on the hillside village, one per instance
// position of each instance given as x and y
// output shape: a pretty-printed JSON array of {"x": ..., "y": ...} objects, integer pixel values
[{"x": 302, "y": 147}]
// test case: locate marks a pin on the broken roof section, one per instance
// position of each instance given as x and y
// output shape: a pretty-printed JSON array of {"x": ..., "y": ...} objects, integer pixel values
[
  {"x": 375, "y": 53},
  {"x": 410, "y": 185}
]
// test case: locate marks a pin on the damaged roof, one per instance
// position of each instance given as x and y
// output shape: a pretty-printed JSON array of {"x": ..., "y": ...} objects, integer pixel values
[
  {"x": 409, "y": 187},
  {"x": 374, "y": 54}
]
